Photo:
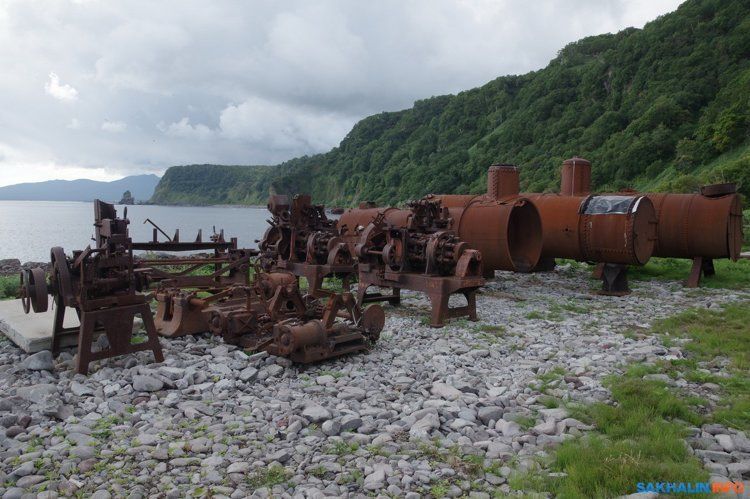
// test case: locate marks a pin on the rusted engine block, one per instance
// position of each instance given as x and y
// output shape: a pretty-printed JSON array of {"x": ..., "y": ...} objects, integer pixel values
[
  {"x": 101, "y": 285},
  {"x": 303, "y": 241},
  {"x": 421, "y": 254}
]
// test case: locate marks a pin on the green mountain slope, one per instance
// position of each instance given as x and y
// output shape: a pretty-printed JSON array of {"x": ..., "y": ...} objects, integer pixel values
[{"x": 650, "y": 108}]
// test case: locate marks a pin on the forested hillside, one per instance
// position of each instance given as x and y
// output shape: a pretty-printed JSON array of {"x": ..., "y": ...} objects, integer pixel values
[{"x": 665, "y": 107}]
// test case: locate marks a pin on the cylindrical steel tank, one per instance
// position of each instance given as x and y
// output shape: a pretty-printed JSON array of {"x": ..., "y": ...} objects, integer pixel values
[
  {"x": 697, "y": 225},
  {"x": 575, "y": 177},
  {"x": 507, "y": 232},
  {"x": 612, "y": 229}
]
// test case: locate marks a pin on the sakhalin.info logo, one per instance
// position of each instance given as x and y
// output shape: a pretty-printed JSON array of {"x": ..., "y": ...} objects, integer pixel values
[{"x": 691, "y": 487}]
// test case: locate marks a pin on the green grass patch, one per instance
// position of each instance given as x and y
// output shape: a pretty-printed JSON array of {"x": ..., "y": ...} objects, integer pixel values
[
  {"x": 9, "y": 287},
  {"x": 729, "y": 274},
  {"x": 716, "y": 337},
  {"x": 269, "y": 477},
  {"x": 639, "y": 438}
]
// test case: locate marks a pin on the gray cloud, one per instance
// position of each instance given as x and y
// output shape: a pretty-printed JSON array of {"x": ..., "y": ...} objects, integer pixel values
[{"x": 103, "y": 89}]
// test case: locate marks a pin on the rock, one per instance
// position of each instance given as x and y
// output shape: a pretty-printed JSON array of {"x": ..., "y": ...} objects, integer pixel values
[
  {"x": 36, "y": 393},
  {"x": 375, "y": 480},
  {"x": 316, "y": 413},
  {"x": 248, "y": 374},
  {"x": 726, "y": 442},
  {"x": 350, "y": 422},
  {"x": 80, "y": 390},
  {"x": 497, "y": 449},
  {"x": 331, "y": 427},
  {"x": 14, "y": 431},
  {"x": 421, "y": 429},
  {"x": 82, "y": 452},
  {"x": 14, "y": 493},
  {"x": 101, "y": 494},
  {"x": 24, "y": 469},
  {"x": 548, "y": 427},
  {"x": 8, "y": 420},
  {"x": 445, "y": 391},
  {"x": 40, "y": 361},
  {"x": 147, "y": 383},
  {"x": 741, "y": 469},
  {"x": 281, "y": 456},
  {"x": 715, "y": 456},
  {"x": 273, "y": 370},
  {"x": 239, "y": 467},
  {"x": 508, "y": 428},
  {"x": 491, "y": 413}
]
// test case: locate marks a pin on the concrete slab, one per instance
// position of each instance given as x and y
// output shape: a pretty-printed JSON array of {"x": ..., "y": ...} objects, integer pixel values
[
  {"x": 745, "y": 255},
  {"x": 33, "y": 332}
]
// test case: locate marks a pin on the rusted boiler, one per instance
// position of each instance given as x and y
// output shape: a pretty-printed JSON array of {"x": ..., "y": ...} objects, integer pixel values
[
  {"x": 619, "y": 230},
  {"x": 700, "y": 226},
  {"x": 505, "y": 227}
]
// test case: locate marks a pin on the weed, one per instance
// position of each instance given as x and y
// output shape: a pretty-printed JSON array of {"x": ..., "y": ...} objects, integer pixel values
[
  {"x": 525, "y": 422},
  {"x": 343, "y": 448},
  {"x": 268, "y": 477}
]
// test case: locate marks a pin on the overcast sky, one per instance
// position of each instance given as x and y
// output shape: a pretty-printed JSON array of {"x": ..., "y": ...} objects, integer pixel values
[{"x": 101, "y": 89}]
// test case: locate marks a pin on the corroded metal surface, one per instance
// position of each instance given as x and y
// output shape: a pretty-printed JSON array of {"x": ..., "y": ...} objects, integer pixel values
[
  {"x": 700, "y": 226},
  {"x": 503, "y": 225},
  {"x": 101, "y": 285},
  {"x": 421, "y": 255},
  {"x": 303, "y": 241},
  {"x": 621, "y": 231}
]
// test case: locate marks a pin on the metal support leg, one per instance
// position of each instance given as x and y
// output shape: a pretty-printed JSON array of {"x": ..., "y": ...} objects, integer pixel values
[{"x": 614, "y": 280}]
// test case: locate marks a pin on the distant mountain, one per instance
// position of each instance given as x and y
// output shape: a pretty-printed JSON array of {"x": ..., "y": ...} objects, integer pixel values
[{"x": 141, "y": 187}]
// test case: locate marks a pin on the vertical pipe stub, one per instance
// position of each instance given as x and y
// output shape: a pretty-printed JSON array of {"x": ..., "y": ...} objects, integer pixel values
[
  {"x": 575, "y": 178},
  {"x": 502, "y": 181}
]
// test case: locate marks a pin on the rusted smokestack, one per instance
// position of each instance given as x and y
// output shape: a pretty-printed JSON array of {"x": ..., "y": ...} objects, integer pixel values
[
  {"x": 502, "y": 181},
  {"x": 575, "y": 177}
]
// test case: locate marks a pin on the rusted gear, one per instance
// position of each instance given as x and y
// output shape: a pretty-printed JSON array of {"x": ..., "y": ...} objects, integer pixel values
[{"x": 34, "y": 290}]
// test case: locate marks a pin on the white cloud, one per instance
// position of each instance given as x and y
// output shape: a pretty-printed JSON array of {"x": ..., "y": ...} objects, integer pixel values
[
  {"x": 61, "y": 92},
  {"x": 74, "y": 124},
  {"x": 284, "y": 127},
  {"x": 183, "y": 129},
  {"x": 114, "y": 126}
]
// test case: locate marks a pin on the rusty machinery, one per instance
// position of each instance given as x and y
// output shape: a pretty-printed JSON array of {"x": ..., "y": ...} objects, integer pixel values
[
  {"x": 702, "y": 226},
  {"x": 506, "y": 228},
  {"x": 102, "y": 286},
  {"x": 303, "y": 241},
  {"x": 419, "y": 253},
  {"x": 274, "y": 316},
  {"x": 184, "y": 286}
]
